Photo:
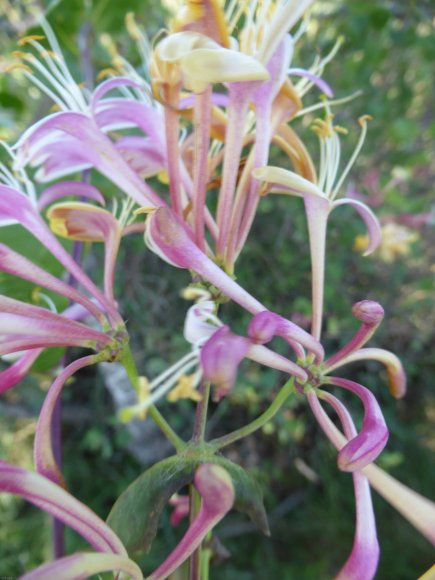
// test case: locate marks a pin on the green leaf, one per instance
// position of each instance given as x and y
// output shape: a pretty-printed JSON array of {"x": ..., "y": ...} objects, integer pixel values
[{"x": 135, "y": 514}]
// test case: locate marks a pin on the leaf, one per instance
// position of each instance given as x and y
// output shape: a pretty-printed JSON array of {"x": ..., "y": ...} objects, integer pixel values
[
  {"x": 135, "y": 514},
  {"x": 249, "y": 495}
]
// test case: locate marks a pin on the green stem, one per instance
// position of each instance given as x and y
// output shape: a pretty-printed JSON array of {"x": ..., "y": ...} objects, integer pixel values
[
  {"x": 201, "y": 413},
  {"x": 278, "y": 402},
  {"x": 131, "y": 369},
  {"x": 196, "y": 557},
  {"x": 166, "y": 429}
]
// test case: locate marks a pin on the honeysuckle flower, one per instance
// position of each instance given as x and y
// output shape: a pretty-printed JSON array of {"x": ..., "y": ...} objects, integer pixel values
[
  {"x": 320, "y": 200},
  {"x": 74, "y": 138},
  {"x": 418, "y": 510},
  {"x": 110, "y": 553},
  {"x": 216, "y": 489}
]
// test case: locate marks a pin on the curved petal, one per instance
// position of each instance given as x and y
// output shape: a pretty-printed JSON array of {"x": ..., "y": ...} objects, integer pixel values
[
  {"x": 169, "y": 238},
  {"x": 320, "y": 83},
  {"x": 84, "y": 565},
  {"x": 369, "y": 218},
  {"x": 395, "y": 370},
  {"x": 265, "y": 325},
  {"x": 59, "y": 503},
  {"x": 417, "y": 509},
  {"x": 220, "y": 358},
  {"x": 45, "y": 462},
  {"x": 17, "y": 265},
  {"x": 15, "y": 205},
  {"x": 204, "y": 65},
  {"x": 66, "y": 188},
  {"x": 284, "y": 181},
  {"x": 370, "y": 441},
  {"x": 18, "y": 370},
  {"x": 109, "y": 85},
  {"x": 363, "y": 560}
]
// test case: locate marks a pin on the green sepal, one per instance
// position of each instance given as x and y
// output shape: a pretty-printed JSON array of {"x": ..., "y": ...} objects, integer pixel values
[
  {"x": 249, "y": 495},
  {"x": 135, "y": 515}
]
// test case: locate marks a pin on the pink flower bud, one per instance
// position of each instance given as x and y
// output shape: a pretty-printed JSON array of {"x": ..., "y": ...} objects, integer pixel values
[{"x": 368, "y": 311}]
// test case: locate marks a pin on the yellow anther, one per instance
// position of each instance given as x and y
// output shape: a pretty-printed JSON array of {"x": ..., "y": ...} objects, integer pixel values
[
  {"x": 193, "y": 293},
  {"x": 35, "y": 294},
  {"x": 18, "y": 66},
  {"x": 30, "y": 38},
  {"x": 163, "y": 177},
  {"x": 19, "y": 54},
  {"x": 132, "y": 27},
  {"x": 106, "y": 72},
  {"x": 185, "y": 389},
  {"x": 341, "y": 130},
  {"x": 58, "y": 226},
  {"x": 364, "y": 118},
  {"x": 147, "y": 209}
]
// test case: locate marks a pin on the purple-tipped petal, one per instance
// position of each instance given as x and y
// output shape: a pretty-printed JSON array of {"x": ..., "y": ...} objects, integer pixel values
[
  {"x": 370, "y": 220},
  {"x": 363, "y": 560},
  {"x": 370, "y": 441},
  {"x": 110, "y": 84},
  {"x": 66, "y": 188},
  {"x": 220, "y": 358},
  {"x": 316, "y": 80},
  {"x": 18, "y": 370},
  {"x": 15, "y": 205},
  {"x": 59, "y": 503},
  {"x": 168, "y": 237},
  {"x": 83, "y": 565},
  {"x": 45, "y": 462},
  {"x": 265, "y": 325},
  {"x": 96, "y": 146}
]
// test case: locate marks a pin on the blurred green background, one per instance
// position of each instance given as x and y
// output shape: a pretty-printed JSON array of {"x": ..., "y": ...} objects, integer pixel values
[{"x": 388, "y": 53}]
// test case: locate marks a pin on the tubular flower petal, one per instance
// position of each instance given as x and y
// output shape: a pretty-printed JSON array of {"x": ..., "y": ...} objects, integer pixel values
[
  {"x": 371, "y": 221},
  {"x": 265, "y": 325},
  {"x": 370, "y": 441},
  {"x": 220, "y": 358},
  {"x": 217, "y": 492},
  {"x": 66, "y": 188},
  {"x": 82, "y": 222}
]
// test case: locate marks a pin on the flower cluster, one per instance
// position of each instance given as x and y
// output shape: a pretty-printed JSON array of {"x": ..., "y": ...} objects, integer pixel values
[{"x": 223, "y": 90}]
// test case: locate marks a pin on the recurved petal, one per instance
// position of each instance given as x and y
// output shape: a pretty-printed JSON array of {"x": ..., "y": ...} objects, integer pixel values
[
  {"x": 284, "y": 181},
  {"x": 205, "y": 65},
  {"x": 67, "y": 188},
  {"x": 370, "y": 220},
  {"x": 82, "y": 222},
  {"x": 373, "y": 436},
  {"x": 59, "y": 503},
  {"x": 18, "y": 370}
]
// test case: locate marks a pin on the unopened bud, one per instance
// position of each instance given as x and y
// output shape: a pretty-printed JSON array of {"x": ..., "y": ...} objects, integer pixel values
[{"x": 368, "y": 311}]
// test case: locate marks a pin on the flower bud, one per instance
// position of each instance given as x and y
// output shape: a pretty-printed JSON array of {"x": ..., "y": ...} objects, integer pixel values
[{"x": 369, "y": 312}]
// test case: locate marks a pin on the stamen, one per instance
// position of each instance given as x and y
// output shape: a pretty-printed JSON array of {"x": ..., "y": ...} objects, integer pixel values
[
  {"x": 27, "y": 39},
  {"x": 363, "y": 122}
]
